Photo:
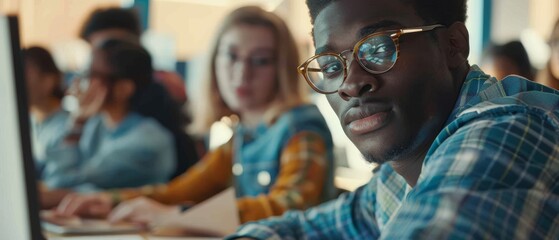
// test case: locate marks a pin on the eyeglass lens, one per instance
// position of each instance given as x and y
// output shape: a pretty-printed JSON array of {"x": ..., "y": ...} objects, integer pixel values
[{"x": 375, "y": 54}]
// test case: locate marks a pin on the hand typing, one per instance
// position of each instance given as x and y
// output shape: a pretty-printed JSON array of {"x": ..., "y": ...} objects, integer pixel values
[
  {"x": 91, "y": 205},
  {"x": 145, "y": 211}
]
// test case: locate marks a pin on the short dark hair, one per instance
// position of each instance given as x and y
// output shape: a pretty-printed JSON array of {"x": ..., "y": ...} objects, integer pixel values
[
  {"x": 111, "y": 18},
  {"x": 44, "y": 62},
  {"x": 444, "y": 12},
  {"x": 131, "y": 61},
  {"x": 128, "y": 60}
]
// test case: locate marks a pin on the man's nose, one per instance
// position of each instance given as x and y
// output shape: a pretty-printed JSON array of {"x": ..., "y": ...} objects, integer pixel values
[{"x": 357, "y": 82}]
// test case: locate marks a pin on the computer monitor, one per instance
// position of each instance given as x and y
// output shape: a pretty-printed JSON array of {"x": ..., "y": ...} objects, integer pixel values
[{"x": 19, "y": 206}]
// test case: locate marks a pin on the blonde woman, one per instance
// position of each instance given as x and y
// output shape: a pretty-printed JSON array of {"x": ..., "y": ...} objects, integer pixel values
[{"x": 280, "y": 156}]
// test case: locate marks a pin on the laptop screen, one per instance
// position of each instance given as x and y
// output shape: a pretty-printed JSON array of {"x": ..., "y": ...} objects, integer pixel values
[{"x": 18, "y": 203}]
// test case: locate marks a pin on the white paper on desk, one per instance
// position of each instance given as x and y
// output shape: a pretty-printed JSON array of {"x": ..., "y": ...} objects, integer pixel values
[
  {"x": 218, "y": 214},
  {"x": 181, "y": 238},
  {"x": 112, "y": 237}
]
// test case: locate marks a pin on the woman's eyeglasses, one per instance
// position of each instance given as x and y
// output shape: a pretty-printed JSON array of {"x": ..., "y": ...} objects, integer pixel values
[{"x": 376, "y": 53}]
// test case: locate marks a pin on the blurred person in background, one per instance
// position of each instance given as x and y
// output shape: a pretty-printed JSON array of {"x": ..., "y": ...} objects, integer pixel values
[
  {"x": 507, "y": 59},
  {"x": 549, "y": 76},
  {"x": 116, "y": 143},
  {"x": 119, "y": 23},
  {"x": 280, "y": 156},
  {"x": 49, "y": 122},
  {"x": 105, "y": 23}
]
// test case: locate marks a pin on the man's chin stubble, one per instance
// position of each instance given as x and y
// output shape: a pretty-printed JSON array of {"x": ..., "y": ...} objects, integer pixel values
[{"x": 392, "y": 154}]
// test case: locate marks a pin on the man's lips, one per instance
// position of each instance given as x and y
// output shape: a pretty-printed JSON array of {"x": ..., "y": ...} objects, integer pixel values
[{"x": 361, "y": 120}]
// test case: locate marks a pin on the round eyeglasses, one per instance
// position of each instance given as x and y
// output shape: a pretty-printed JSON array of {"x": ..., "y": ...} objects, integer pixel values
[{"x": 376, "y": 53}]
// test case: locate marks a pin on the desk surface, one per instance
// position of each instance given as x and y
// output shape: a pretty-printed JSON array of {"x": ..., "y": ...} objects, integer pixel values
[{"x": 124, "y": 237}]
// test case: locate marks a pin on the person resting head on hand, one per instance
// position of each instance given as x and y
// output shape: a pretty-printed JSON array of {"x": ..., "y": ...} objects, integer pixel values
[{"x": 113, "y": 141}]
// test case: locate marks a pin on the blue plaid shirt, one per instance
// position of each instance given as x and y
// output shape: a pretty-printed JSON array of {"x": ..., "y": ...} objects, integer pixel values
[{"x": 491, "y": 173}]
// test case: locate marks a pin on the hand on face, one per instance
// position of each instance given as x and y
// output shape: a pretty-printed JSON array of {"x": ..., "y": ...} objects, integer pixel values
[
  {"x": 91, "y": 101},
  {"x": 96, "y": 205},
  {"x": 144, "y": 211}
]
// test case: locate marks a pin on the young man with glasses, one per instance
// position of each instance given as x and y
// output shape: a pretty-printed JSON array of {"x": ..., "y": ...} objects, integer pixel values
[{"x": 462, "y": 155}]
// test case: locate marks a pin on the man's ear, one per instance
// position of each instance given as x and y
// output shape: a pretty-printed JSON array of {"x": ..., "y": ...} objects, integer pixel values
[{"x": 458, "y": 43}]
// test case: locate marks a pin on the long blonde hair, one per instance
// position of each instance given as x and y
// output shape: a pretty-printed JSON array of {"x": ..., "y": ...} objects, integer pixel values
[
  {"x": 209, "y": 107},
  {"x": 546, "y": 76}
]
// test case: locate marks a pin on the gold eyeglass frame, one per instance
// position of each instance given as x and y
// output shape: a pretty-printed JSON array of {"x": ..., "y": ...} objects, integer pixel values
[{"x": 393, "y": 34}]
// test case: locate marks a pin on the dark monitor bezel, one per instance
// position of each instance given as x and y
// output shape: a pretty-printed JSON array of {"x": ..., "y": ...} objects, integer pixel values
[{"x": 24, "y": 130}]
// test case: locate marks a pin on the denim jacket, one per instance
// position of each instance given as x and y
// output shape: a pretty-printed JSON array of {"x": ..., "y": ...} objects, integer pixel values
[{"x": 256, "y": 153}]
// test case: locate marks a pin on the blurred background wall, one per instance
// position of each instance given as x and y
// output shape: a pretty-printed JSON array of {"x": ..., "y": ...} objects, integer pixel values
[{"x": 190, "y": 24}]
